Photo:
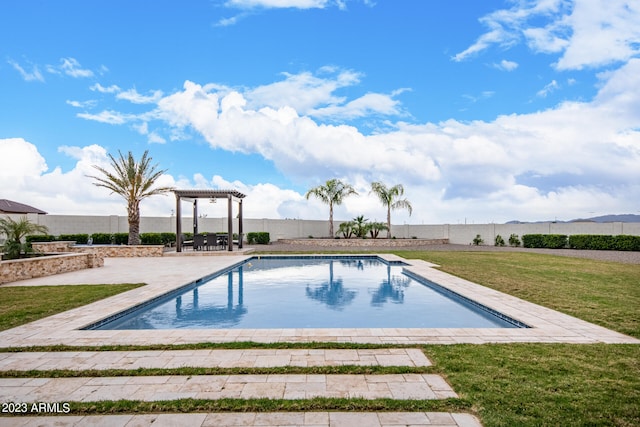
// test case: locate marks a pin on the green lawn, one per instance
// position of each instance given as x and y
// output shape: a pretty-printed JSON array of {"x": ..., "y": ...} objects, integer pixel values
[
  {"x": 24, "y": 304},
  {"x": 504, "y": 384}
]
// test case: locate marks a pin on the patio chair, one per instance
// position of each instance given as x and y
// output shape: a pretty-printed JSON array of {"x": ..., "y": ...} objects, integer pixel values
[
  {"x": 199, "y": 242},
  {"x": 223, "y": 240},
  {"x": 212, "y": 241},
  {"x": 184, "y": 242}
]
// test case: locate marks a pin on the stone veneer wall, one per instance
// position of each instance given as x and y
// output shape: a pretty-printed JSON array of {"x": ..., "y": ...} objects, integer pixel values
[
  {"x": 365, "y": 242},
  {"x": 104, "y": 251},
  {"x": 27, "y": 268}
]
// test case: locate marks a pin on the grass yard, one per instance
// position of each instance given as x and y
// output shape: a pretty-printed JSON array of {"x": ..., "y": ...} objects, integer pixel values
[{"x": 24, "y": 304}]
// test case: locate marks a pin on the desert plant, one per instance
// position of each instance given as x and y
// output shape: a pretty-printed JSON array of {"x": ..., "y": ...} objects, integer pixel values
[
  {"x": 332, "y": 193},
  {"x": 514, "y": 240},
  {"x": 375, "y": 228},
  {"x": 389, "y": 198},
  {"x": 360, "y": 226},
  {"x": 478, "y": 240},
  {"x": 16, "y": 231},
  {"x": 499, "y": 241},
  {"x": 133, "y": 180},
  {"x": 346, "y": 229}
]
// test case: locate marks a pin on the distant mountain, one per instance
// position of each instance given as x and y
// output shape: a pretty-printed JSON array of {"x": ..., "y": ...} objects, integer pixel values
[
  {"x": 612, "y": 218},
  {"x": 603, "y": 218}
]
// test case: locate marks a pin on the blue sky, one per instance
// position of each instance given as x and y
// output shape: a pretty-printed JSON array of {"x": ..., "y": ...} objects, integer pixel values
[{"x": 486, "y": 111}]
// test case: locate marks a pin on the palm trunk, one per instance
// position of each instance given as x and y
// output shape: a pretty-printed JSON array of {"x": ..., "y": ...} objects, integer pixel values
[
  {"x": 389, "y": 222},
  {"x": 331, "y": 220},
  {"x": 134, "y": 223}
]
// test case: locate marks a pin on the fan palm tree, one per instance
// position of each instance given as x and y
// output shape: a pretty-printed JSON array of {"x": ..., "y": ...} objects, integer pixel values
[
  {"x": 389, "y": 197},
  {"x": 332, "y": 193},
  {"x": 132, "y": 180},
  {"x": 16, "y": 231}
]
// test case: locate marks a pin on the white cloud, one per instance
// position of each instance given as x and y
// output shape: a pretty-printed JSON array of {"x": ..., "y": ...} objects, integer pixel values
[
  {"x": 71, "y": 67},
  {"x": 109, "y": 89},
  {"x": 134, "y": 97},
  {"x": 29, "y": 76},
  {"x": 110, "y": 117},
  {"x": 278, "y": 4},
  {"x": 505, "y": 65},
  {"x": 586, "y": 33},
  {"x": 552, "y": 86},
  {"x": 82, "y": 104}
]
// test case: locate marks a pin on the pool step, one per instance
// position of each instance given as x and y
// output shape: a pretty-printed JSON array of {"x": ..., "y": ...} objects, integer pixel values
[{"x": 258, "y": 358}]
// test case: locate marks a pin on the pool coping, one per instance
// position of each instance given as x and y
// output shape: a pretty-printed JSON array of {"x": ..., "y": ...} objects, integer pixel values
[{"x": 546, "y": 325}]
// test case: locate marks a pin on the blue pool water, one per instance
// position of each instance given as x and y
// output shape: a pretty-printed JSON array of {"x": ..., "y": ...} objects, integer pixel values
[{"x": 309, "y": 292}]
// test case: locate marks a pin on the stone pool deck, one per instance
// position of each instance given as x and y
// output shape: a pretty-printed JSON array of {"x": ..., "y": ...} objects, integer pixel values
[{"x": 163, "y": 274}]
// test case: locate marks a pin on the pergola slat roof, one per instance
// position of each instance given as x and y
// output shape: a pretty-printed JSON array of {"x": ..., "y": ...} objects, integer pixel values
[{"x": 209, "y": 194}]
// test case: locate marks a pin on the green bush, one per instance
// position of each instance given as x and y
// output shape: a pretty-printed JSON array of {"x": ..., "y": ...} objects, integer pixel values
[
  {"x": 151, "y": 238},
  {"x": 549, "y": 241},
  {"x": 514, "y": 240},
  {"x": 80, "y": 239},
  {"x": 499, "y": 241},
  {"x": 40, "y": 238},
  {"x": 605, "y": 242},
  {"x": 121, "y": 238},
  {"x": 478, "y": 240},
  {"x": 555, "y": 241},
  {"x": 259, "y": 237},
  {"x": 101, "y": 238}
]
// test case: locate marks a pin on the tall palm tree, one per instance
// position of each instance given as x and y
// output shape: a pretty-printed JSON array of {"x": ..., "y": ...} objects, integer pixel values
[
  {"x": 332, "y": 193},
  {"x": 132, "y": 180},
  {"x": 389, "y": 197}
]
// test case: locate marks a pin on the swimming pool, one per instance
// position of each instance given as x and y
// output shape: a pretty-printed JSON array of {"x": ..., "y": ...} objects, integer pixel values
[{"x": 272, "y": 292}]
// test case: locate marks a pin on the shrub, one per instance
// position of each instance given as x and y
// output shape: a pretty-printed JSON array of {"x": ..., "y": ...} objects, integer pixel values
[
  {"x": 605, "y": 242},
  {"x": 478, "y": 240},
  {"x": 555, "y": 241},
  {"x": 40, "y": 238},
  {"x": 499, "y": 241},
  {"x": 151, "y": 238},
  {"x": 549, "y": 241},
  {"x": 80, "y": 239},
  {"x": 514, "y": 240},
  {"x": 259, "y": 237},
  {"x": 120, "y": 238},
  {"x": 101, "y": 238},
  {"x": 533, "y": 240}
]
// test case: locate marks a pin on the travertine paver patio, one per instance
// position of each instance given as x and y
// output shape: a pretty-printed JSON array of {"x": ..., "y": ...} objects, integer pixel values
[
  {"x": 167, "y": 359},
  {"x": 276, "y": 386},
  {"x": 306, "y": 419},
  {"x": 163, "y": 274}
]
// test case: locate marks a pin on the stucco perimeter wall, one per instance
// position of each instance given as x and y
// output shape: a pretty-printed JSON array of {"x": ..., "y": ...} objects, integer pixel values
[
  {"x": 102, "y": 251},
  {"x": 297, "y": 228},
  {"x": 365, "y": 242},
  {"x": 28, "y": 268}
]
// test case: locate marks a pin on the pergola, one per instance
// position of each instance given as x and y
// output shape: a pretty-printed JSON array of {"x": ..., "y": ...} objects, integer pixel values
[{"x": 230, "y": 195}]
